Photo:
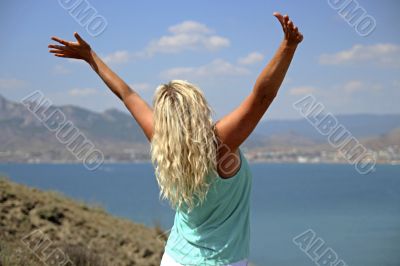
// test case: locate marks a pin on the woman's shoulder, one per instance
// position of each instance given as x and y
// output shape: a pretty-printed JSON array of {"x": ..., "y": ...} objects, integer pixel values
[{"x": 231, "y": 164}]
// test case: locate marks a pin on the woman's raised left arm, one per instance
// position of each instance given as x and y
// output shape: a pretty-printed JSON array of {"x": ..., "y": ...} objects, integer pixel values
[{"x": 139, "y": 109}]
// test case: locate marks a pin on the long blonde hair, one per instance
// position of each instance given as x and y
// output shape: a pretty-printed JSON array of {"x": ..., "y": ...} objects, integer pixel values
[{"x": 184, "y": 144}]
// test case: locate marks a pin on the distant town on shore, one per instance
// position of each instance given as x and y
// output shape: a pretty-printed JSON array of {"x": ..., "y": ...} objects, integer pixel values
[{"x": 25, "y": 139}]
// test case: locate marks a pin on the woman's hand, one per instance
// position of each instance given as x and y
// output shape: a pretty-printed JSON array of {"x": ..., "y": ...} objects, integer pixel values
[
  {"x": 292, "y": 36},
  {"x": 78, "y": 50},
  {"x": 138, "y": 107}
]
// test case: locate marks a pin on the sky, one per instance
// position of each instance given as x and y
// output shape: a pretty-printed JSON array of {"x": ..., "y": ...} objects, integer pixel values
[{"x": 221, "y": 46}]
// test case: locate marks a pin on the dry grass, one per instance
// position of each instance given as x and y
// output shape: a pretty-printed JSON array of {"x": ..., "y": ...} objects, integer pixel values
[{"x": 86, "y": 234}]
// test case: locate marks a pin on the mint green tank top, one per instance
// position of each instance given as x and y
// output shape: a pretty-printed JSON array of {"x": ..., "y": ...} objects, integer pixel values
[{"x": 218, "y": 231}]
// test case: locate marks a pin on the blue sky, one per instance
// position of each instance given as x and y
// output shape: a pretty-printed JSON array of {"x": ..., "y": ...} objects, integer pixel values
[{"x": 219, "y": 45}]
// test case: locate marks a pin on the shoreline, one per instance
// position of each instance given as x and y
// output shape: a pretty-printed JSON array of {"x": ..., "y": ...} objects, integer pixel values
[{"x": 149, "y": 162}]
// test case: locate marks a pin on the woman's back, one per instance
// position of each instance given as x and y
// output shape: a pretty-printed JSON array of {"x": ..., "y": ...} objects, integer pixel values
[
  {"x": 218, "y": 231},
  {"x": 180, "y": 130}
]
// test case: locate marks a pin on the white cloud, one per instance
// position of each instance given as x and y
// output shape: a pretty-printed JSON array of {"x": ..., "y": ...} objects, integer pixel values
[
  {"x": 353, "y": 86},
  {"x": 11, "y": 83},
  {"x": 396, "y": 84},
  {"x": 302, "y": 90},
  {"x": 140, "y": 86},
  {"x": 117, "y": 57},
  {"x": 216, "y": 68},
  {"x": 216, "y": 42},
  {"x": 251, "y": 58},
  {"x": 387, "y": 55},
  {"x": 82, "y": 92},
  {"x": 76, "y": 61},
  {"x": 61, "y": 70},
  {"x": 188, "y": 35},
  {"x": 344, "y": 90},
  {"x": 189, "y": 27}
]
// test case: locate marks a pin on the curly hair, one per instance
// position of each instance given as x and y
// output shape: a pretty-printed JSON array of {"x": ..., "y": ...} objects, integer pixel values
[{"x": 184, "y": 144}]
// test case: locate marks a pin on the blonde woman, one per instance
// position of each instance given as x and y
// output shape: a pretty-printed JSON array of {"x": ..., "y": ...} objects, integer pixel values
[{"x": 199, "y": 166}]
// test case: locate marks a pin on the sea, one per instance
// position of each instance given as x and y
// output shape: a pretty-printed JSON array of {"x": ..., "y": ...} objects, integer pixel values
[{"x": 300, "y": 213}]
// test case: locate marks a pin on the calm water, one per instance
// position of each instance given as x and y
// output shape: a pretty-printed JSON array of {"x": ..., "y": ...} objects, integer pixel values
[{"x": 357, "y": 216}]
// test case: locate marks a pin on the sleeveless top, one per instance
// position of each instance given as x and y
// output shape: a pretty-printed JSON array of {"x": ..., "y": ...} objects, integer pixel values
[{"x": 218, "y": 231}]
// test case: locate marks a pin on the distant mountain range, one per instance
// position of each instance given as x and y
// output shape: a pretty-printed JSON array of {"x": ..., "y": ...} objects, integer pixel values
[
  {"x": 23, "y": 137},
  {"x": 300, "y": 132},
  {"x": 360, "y": 125}
]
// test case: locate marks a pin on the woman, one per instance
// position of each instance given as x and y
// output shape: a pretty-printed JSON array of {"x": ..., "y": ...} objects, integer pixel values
[{"x": 199, "y": 166}]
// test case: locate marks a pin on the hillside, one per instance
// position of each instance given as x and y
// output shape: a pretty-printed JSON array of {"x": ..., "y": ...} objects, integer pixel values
[
  {"x": 23, "y": 137},
  {"x": 87, "y": 235}
]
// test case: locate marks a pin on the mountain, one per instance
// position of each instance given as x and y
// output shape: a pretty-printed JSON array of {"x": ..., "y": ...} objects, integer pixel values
[
  {"x": 392, "y": 138},
  {"x": 360, "y": 126},
  {"x": 109, "y": 125},
  {"x": 23, "y": 137}
]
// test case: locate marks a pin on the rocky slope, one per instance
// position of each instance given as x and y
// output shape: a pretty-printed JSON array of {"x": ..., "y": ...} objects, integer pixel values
[{"x": 39, "y": 228}]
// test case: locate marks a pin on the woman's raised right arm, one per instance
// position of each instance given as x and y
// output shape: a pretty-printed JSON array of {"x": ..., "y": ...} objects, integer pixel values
[{"x": 234, "y": 128}]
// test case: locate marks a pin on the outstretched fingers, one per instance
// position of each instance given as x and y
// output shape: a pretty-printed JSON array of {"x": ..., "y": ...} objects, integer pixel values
[
  {"x": 300, "y": 37},
  {"x": 290, "y": 25},
  {"x": 283, "y": 21},
  {"x": 61, "y": 41},
  {"x": 63, "y": 48},
  {"x": 294, "y": 32},
  {"x": 55, "y": 51},
  {"x": 62, "y": 51},
  {"x": 79, "y": 38},
  {"x": 58, "y": 47},
  {"x": 66, "y": 54},
  {"x": 280, "y": 18},
  {"x": 290, "y": 30}
]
